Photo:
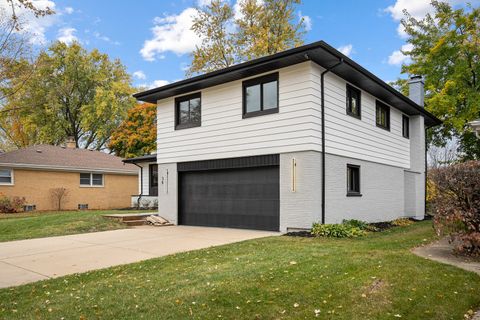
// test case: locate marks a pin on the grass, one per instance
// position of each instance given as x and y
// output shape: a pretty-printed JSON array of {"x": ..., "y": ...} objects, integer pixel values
[
  {"x": 46, "y": 224},
  {"x": 375, "y": 277}
]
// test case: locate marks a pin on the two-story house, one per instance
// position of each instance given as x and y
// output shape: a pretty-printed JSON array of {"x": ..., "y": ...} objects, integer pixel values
[{"x": 277, "y": 143}]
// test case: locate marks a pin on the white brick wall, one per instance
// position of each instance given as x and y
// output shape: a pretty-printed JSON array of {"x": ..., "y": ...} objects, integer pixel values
[{"x": 168, "y": 192}]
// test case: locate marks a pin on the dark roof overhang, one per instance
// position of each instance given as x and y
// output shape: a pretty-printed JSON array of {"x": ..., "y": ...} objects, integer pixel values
[
  {"x": 318, "y": 52},
  {"x": 146, "y": 158}
]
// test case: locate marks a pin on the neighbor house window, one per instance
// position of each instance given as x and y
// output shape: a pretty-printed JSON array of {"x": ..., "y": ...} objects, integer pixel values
[
  {"x": 91, "y": 179},
  {"x": 405, "y": 126},
  {"x": 6, "y": 176},
  {"x": 353, "y": 180},
  {"x": 353, "y": 101},
  {"x": 188, "y": 111},
  {"x": 383, "y": 115},
  {"x": 260, "y": 96}
]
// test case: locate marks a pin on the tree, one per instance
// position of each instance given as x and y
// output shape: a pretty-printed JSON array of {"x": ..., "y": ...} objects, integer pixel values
[
  {"x": 72, "y": 93},
  {"x": 257, "y": 29},
  {"x": 446, "y": 51},
  {"x": 137, "y": 135},
  {"x": 59, "y": 197}
]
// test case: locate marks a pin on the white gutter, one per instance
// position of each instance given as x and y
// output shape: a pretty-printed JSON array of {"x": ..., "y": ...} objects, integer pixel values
[{"x": 67, "y": 168}]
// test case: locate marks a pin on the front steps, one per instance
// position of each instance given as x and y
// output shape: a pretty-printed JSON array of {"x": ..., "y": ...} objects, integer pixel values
[{"x": 134, "y": 219}]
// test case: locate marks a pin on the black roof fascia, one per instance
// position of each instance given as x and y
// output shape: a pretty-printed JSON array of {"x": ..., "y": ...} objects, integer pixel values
[
  {"x": 319, "y": 52},
  {"x": 146, "y": 158}
]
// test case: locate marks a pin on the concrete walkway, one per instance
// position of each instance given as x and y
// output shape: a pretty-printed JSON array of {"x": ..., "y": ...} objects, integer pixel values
[{"x": 28, "y": 261}]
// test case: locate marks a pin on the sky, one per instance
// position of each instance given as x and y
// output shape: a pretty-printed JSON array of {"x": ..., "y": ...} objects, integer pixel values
[{"x": 152, "y": 38}]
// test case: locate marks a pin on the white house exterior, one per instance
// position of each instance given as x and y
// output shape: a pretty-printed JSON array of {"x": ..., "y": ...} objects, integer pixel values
[{"x": 253, "y": 146}]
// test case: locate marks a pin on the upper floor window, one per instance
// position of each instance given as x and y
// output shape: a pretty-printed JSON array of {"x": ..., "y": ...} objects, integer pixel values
[
  {"x": 6, "y": 176},
  {"x": 353, "y": 180},
  {"x": 91, "y": 179},
  {"x": 188, "y": 111},
  {"x": 260, "y": 95},
  {"x": 405, "y": 126},
  {"x": 383, "y": 115},
  {"x": 353, "y": 101}
]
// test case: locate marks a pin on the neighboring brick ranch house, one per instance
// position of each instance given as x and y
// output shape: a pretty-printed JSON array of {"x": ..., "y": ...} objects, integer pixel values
[{"x": 93, "y": 179}]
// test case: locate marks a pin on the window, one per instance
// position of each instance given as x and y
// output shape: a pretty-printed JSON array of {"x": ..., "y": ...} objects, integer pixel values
[
  {"x": 405, "y": 126},
  {"x": 153, "y": 180},
  {"x": 91, "y": 179},
  {"x": 260, "y": 96},
  {"x": 383, "y": 116},
  {"x": 353, "y": 101},
  {"x": 353, "y": 180},
  {"x": 188, "y": 111},
  {"x": 6, "y": 176}
]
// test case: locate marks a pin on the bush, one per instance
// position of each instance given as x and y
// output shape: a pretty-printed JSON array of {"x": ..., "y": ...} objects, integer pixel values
[
  {"x": 11, "y": 204},
  {"x": 337, "y": 230},
  {"x": 456, "y": 205},
  {"x": 402, "y": 222},
  {"x": 362, "y": 225}
]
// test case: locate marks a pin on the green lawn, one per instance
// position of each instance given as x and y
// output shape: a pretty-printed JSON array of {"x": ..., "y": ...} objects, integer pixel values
[
  {"x": 46, "y": 224},
  {"x": 272, "y": 278}
]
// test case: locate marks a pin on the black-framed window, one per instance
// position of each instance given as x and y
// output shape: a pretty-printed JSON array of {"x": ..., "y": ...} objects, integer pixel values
[
  {"x": 6, "y": 176},
  {"x": 260, "y": 95},
  {"x": 405, "y": 126},
  {"x": 153, "y": 180},
  {"x": 353, "y": 102},
  {"x": 382, "y": 115},
  {"x": 188, "y": 111},
  {"x": 91, "y": 179},
  {"x": 353, "y": 180}
]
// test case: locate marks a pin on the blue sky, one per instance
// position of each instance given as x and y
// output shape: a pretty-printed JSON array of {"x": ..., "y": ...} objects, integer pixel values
[{"x": 153, "y": 40}]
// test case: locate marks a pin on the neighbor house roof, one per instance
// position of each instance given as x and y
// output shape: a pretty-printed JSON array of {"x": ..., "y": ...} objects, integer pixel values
[
  {"x": 319, "y": 52},
  {"x": 49, "y": 157}
]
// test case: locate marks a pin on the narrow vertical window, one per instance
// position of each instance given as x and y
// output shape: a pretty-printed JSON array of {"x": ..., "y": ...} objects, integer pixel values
[
  {"x": 353, "y": 180},
  {"x": 405, "y": 126},
  {"x": 353, "y": 102},
  {"x": 383, "y": 116}
]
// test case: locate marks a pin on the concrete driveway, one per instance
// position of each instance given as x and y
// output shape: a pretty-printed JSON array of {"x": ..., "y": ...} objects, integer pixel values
[{"x": 27, "y": 261}]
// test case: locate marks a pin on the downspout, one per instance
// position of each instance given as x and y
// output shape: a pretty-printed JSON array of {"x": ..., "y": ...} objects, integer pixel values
[
  {"x": 141, "y": 185},
  {"x": 322, "y": 97}
]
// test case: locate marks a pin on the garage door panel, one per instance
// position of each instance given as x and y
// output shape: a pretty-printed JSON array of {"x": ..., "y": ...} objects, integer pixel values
[{"x": 237, "y": 198}]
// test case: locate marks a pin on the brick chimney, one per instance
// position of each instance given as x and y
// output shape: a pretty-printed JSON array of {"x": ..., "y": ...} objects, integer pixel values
[
  {"x": 71, "y": 144},
  {"x": 417, "y": 90}
]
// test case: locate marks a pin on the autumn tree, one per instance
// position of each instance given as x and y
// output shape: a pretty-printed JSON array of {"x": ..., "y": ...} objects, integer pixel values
[
  {"x": 137, "y": 135},
  {"x": 74, "y": 93},
  {"x": 446, "y": 51},
  {"x": 255, "y": 30}
]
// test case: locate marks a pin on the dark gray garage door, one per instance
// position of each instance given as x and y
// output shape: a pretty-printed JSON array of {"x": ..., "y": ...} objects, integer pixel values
[{"x": 233, "y": 193}]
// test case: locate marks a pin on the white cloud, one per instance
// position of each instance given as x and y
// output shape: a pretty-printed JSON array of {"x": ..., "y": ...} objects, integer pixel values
[
  {"x": 398, "y": 57},
  {"x": 155, "y": 84},
  {"x": 203, "y": 3},
  {"x": 306, "y": 20},
  {"x": 139, "y": 75},
  {"x": 99, "y": 36},
  {"x": 35, "y": 27},
  {"x": 171, "y": 33},
  {"x": 69, "y": 10},
  {"x": 67, "y": 35},
  {"x": 416, "y": 8},
  {"x": 346, "y": 49}
]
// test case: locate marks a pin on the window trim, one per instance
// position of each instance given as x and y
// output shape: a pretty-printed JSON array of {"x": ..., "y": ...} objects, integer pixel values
[
  {"x": 349, "y": 89},
  {"x": 177, "y": 106},
  {"x": 255, "y": 81},
  {"x": 406, "y": 136},
  {"x": 12, "y": 179},
  {"x": 354, "y": 193},
  {"x": 91, "y": 185},
  {"x": 386, "y": 107}
]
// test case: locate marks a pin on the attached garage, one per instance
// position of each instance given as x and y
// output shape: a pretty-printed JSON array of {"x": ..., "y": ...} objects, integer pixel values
[{"x": 232, "y": 193}]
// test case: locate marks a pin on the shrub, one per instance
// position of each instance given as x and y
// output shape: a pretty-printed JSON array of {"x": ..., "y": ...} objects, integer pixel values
[
  {"x": 362, "y": 225},
  {"x": 11, "y": 204},
  {"x": 337, "y": 230},
  {"x": 402, "y": 222},
  {"x": 456, "y": 205}
]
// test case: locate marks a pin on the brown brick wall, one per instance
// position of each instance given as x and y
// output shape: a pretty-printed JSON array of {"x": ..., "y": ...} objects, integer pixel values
[{"x": 36, "y": 187}]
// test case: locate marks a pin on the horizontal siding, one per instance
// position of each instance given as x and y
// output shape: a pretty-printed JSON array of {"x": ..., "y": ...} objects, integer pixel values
[
  {"x": 225, "y": 134},
  {"x": 360, "y": 138}
]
